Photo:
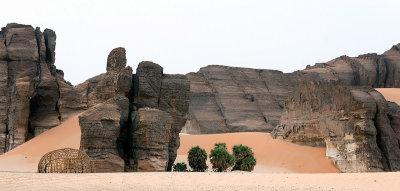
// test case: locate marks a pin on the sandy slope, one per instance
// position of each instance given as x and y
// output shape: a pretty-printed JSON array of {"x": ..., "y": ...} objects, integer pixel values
[
  {"x": 390, "y": 94},
  {"x": 25, "y": 157},
  {"x": 272, "y": 155},
  {"x": 201, "y": 181}
]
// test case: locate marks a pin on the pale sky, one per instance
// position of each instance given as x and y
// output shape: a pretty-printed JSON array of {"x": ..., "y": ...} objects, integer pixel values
[{"x": 185, "y": 35}]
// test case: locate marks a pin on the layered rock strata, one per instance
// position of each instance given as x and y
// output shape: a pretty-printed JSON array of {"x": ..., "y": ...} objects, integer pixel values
[{"x": 229, "y": 99}]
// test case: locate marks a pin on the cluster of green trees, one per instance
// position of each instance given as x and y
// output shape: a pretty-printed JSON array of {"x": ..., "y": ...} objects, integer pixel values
[{"x": 242, "y": 158}]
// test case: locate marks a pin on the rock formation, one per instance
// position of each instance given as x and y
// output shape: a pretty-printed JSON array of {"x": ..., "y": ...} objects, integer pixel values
[
  {"x": 229, "y": 99},
  {"x": 133, "y": 124},
  {"x": 352, "y": 122},
  {"x": 29, "y": 82},
  {"x": 128, "y": 122},
  {"x": 167, "y": 93}
]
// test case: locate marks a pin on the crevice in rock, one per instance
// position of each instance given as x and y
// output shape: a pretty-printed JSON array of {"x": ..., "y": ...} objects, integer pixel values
[
  {"x": 355, "y": 66},
  {"x": 265, "y": 120},
  {"x": 378, "y": 77},
  {"x": 57, "y": 108},
  {"x": 386, "y": 73},
  {"x": 48, "y": 52},
  {"x": 379, "y": 142},
  {"x": 159, "y": 93},
  {"x": 260, "y": 76},
  {"x": 125, "y": 139}
]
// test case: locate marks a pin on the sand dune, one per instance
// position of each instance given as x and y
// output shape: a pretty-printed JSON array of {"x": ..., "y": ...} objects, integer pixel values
[
  {"x": 25, "y": 157},
  {"x": 272, "y": 155},
  {"x": 390, "y": 94}
]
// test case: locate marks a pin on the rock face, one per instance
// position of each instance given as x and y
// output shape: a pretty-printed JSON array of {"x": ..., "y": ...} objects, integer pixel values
[
  {"x": 352, "y": 122},
  {"x": 151, "y": 138},
  {"x": 168, "y": 93},
  {"x": 225, "y": 99},
  {"x": 140, "y": 122},
  {"x": 101, "y": 126},
  {"x": 228, "y": 99},
  {"x": 29, "y": 83}
]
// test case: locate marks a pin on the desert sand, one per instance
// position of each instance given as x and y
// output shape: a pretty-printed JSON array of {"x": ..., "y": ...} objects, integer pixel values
[
  {"x": 25, "y": 157},
  {"x": 201, "y": 181},
  {"x": 390, "y": 94},
  {"x": 272, "y": 155},
  {"x": 276, "y": 156}
]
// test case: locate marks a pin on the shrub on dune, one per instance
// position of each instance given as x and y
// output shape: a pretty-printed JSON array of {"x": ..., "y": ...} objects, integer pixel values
[
  {"x": 220, "y": 159},
  {"x": 197, "y": 158},
  {"x": 244, "y": 158}
]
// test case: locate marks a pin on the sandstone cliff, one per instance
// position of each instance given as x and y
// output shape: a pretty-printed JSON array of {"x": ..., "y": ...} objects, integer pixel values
[
  {"x": 29, "y": 84},
  {"x": 229, "y": 99}
]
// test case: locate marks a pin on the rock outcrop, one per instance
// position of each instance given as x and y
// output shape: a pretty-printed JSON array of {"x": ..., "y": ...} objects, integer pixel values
[
  {"x": 167, "y": 93},
  {"x": 29, "y": 83},
  {"x": 138, "y": 117},
  {"x": 352, "y": 122},
  {"x": 229, "y": 99},
  {"x": 129, "y": 122}
]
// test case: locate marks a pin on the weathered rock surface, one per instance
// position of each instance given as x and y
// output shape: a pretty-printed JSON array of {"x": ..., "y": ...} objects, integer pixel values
[
  {"x": 229, "y": 99},
  {"x": 29, "y": 84},
  {"x": 168, "y": 93},
  {"x": 154, "y": 113},
  {"x": 226, "y": 99},
  {"x": 352, "y": 123},
  {"x": 101, "y": 126},
  {"x": 151, "y": 137}
]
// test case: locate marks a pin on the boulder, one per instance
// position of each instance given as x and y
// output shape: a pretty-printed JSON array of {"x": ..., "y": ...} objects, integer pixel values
[
  {"x": 116, "y": 60},
  {"x": 147, "y": 84}
]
